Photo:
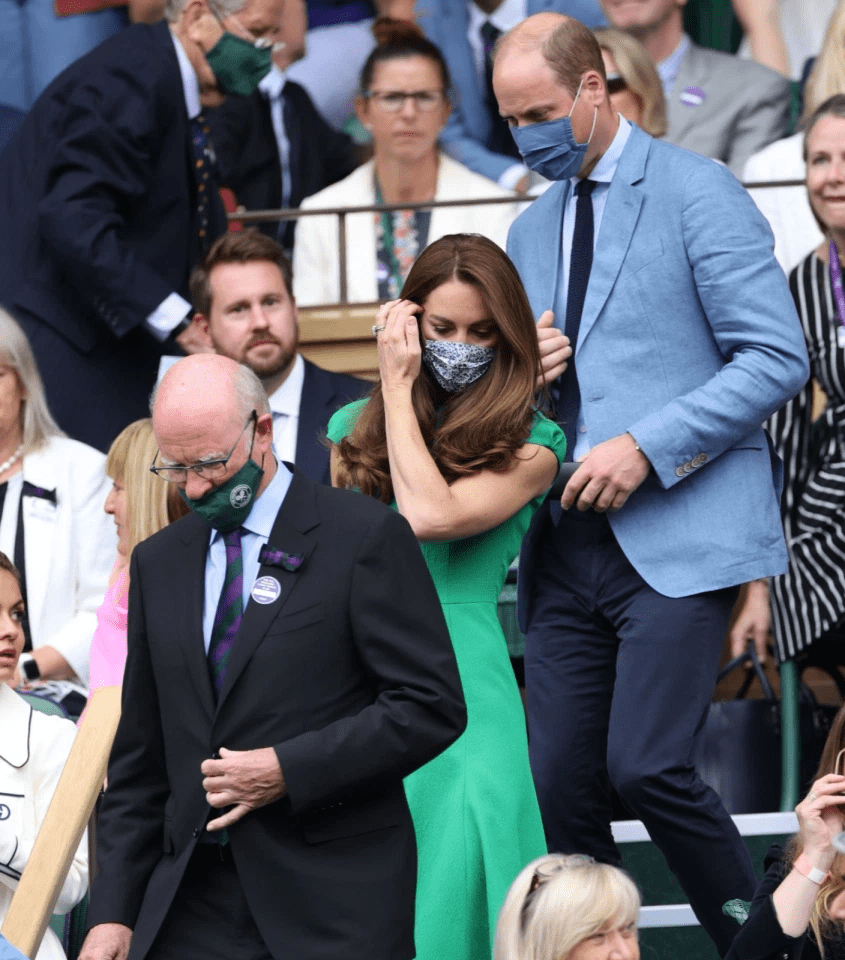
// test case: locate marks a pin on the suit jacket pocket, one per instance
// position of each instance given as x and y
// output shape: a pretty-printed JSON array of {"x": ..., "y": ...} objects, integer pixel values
[
  {"x": 340, "y": 819},
  {"x": 641, "y": 256},
  {"x": 288, "y": 621}
]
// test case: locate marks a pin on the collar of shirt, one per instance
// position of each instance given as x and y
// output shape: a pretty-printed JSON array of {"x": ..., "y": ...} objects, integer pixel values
[
  {"x": 256, "y": 532},
  {"x": 604, "y": 170},
  {"x": 669, "y": 68},
  {"x": 506, "y": 16},
  {"x": 190, "y": 84},
  {"x": 273, "y": 83},
  {"x": 286, "y": 399}
]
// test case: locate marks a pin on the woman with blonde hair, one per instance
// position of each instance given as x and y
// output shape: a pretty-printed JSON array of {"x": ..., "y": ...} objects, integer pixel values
[
  {"x": 140, "y": 506},
  {"x": 797, "y": 911},
  {"x": 568, "y": 907},
  {"x": 52, "y": 525},
  {"x": 633, "y": 82}
]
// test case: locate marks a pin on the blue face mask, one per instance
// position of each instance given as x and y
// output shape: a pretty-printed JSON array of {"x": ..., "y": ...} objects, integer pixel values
[
  {"x": 456, "y": 365},
  {"x": 550, "y": 148}
]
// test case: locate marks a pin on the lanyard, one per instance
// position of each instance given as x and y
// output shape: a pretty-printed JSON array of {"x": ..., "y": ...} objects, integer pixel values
[{"x": 836, "y": 282}]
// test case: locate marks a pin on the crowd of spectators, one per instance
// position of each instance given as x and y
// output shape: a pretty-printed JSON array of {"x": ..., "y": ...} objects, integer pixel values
[{"x": 643, "y": 304}]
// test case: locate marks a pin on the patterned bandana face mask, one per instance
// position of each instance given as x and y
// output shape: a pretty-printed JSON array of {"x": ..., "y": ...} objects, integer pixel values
[{"x": 456, "y": 365}]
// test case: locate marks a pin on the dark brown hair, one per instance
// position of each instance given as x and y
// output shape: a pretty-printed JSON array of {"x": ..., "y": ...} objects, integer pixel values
[
  {"x": 397, "y": 40},
  {"x": 7, "y": 565},
  {"x": 483, "y": 426},
  {"x": 246, "y": 246}
]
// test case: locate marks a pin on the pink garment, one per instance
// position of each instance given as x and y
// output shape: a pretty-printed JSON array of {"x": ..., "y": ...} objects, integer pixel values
[{"x": 108, "y": 645}]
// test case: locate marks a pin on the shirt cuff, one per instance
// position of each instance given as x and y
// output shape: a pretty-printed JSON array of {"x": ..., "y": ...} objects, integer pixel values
[
  {"x": 511, "y": 177},
  {"x": 167, "y": 315}
]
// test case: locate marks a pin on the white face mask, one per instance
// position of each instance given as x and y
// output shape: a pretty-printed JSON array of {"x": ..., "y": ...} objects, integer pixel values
[{"x": 456, "y": 365}]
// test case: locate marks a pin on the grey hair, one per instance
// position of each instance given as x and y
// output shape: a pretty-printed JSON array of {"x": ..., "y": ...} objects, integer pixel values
[
  {"x": 249, "y": 391},
  {"x": 37, "y": 423},
  {"x": 557, "y": 902},
  {"x": 223, "y": 8}
]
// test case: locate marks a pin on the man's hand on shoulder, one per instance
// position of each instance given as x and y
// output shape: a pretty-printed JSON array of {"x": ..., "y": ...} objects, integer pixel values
[
  {"x": 555, "y": 350},
  {"x": 106, "y": 941},
  {"x": 242, "y": 780},
  {"x": 608, "y": 475}
]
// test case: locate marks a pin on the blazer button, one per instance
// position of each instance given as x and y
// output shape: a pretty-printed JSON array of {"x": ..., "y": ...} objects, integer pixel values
[
  {"x": 687, "y": 467},
  {"x": 679, "y": 471},
  {"x": 703, "y": 457},
  {"x": 196, "y": 832}
]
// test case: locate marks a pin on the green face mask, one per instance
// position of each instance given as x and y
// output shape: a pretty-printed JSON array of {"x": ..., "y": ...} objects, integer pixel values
[
  {"x": 226, "y": 507},
  {"x": 238, "y": 65}
]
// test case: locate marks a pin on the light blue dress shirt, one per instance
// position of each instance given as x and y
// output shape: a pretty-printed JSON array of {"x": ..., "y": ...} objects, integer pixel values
[
  {"x": 255, "y": 533},
  {"x": 602, "y": 174},
  {"x": 669, "y": 68}
]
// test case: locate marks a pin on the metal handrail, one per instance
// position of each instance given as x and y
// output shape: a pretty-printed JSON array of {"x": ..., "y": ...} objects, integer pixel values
[{"x": 249, "y": 217}]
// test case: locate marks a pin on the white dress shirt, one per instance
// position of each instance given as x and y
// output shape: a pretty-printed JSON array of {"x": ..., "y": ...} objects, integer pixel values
[{"x": 284, "y": 405}]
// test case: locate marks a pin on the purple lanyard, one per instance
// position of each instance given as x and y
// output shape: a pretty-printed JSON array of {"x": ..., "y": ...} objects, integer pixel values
[{"x": 836, "y": 283}]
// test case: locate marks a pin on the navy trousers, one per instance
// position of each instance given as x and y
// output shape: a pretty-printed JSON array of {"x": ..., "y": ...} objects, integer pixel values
[{"x": 619, "y": 679}]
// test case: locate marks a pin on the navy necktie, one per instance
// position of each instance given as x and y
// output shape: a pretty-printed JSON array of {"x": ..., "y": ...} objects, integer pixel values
[{"x": 580, "y": 263}]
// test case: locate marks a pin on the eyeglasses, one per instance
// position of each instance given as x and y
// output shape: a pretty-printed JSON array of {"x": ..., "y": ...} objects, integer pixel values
[
  {"x": 616, "y": 83},
  {"x": 392, "y": 101},
  {"x": 260, "y": 43},
  {"x": 207, "y": 469}
]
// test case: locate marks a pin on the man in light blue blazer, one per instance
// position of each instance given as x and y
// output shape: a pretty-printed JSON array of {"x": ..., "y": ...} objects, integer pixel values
[
  {"x": 470, "y": 135},
  {"x": 685, "y": 340}
]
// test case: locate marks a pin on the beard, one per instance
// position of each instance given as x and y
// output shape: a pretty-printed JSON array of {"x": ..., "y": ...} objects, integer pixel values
[{"x": 265, "y": 363}]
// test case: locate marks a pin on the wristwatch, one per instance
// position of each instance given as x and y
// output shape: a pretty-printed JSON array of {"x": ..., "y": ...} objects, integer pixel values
[{"x": 29, "y": 668}]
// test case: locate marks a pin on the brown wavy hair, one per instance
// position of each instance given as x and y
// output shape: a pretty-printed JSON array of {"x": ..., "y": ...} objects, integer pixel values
[
  {"x": 820, "y": 920},
  {"x": 482, "y": 427}
]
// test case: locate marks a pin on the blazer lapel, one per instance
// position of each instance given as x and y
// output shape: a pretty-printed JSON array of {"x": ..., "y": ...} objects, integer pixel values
[
  {"x": 188, "y": 617},
  {"x": 680, "y": 116},
  {"x": 315, "y": 408},
  {"x": 617, "y": 228},
  {"x": 297, "y": 516},
  {"x": 40, "y": 518}
]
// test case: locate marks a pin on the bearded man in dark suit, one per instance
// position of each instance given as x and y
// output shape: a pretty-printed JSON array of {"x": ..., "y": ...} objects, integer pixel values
[{"x": 288, "y": 665}]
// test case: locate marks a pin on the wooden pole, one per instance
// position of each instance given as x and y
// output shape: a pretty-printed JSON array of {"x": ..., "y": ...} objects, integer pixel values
[{"x": 63, "y": 827}]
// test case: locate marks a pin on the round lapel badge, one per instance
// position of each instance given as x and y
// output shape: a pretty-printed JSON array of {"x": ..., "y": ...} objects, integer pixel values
[
  {"x": 266, "y": 590},
  {"x": 241, "y": 495}
]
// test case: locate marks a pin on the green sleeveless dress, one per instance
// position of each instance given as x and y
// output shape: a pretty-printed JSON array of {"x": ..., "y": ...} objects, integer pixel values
[{"x": 474, "y": 807}]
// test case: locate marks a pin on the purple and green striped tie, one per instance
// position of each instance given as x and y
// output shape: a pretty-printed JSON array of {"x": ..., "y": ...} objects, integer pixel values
[{"x": 229, "y": 613}]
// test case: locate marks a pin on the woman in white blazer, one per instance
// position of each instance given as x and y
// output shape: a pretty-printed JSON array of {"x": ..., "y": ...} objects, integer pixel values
[
  {"x": 404, "y": 104},
  {"x": 52, "y": 492},
  {"x": 33, "y": 751}
]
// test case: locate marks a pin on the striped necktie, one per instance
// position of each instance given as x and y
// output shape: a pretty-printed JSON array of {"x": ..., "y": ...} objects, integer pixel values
[{"x": 229, "y": 613}]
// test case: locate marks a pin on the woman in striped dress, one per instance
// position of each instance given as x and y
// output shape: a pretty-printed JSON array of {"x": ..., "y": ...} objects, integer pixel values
[{"x": 808, "y": 602}]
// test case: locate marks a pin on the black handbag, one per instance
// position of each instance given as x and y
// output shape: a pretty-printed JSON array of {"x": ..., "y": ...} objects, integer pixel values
[{"x": 739, "y": 751}]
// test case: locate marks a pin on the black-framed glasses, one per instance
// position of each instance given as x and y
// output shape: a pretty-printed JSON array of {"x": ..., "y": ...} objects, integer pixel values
[
  {"x": 392, "y": 101},
  {"x": 616, "y": 83},
  {"x": 207, "y": 469}
]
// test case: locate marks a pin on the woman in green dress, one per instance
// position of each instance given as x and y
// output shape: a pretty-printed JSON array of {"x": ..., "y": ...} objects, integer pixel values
[{"x": 451, "y": 437}]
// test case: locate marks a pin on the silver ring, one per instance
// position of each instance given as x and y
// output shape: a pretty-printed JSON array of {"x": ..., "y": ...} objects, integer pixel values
[
  {"x": 811, "y": 796},
  {"x": 377, "y": 329}
]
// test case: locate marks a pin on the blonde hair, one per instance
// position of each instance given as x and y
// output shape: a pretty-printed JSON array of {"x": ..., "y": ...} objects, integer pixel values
[
  {"x": 151, "y": 504},
  {"x": 37, "y": 423},
  {"x": 828, "y": 74},
  {"x": 640, "y": 77},
  {"x": 558, "y": 901}
]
